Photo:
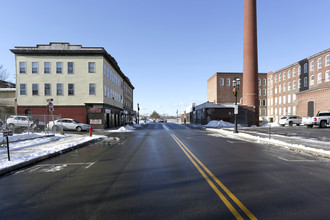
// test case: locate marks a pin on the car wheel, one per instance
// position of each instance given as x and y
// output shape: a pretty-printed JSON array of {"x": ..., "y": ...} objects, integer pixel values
[
  {"x": 55, "y": 127},
  {"x": 11, "y": 126},
  {"x": 298, "y": 124},
  {"x": 290, "y": 123},
  {"x": 282, "y": 125},
  {"x": 79, "y": 129},
  {"x": 323, "y": 124}
]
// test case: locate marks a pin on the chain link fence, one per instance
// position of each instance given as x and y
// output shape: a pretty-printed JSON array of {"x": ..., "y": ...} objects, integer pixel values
[{"x": 29, "y": 123}]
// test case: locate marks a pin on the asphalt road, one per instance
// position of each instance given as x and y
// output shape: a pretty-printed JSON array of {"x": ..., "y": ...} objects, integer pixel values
[{"x": 168, "y": 171}]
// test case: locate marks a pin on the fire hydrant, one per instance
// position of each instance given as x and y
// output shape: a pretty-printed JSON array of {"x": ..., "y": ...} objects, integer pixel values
[{"x": 90, "y": 131}]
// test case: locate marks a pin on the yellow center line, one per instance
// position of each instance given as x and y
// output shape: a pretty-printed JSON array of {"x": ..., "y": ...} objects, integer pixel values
[{"x": 224, "y": 188}]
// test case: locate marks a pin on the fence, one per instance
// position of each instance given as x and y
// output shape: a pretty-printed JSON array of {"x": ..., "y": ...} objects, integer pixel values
[{"x": 42, "y": 124}]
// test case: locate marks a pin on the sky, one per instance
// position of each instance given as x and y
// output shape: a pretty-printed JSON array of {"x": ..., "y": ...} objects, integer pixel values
[{"x": 169, "y": 48}]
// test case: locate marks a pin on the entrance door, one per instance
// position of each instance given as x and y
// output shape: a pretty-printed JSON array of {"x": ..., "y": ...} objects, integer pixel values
[{"x": 310, "y": 109}]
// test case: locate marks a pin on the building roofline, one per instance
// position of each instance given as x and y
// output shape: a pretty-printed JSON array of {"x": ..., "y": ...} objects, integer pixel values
[
  {"x": 308, "y": 58},
  {"x": 65, "y": 49}
]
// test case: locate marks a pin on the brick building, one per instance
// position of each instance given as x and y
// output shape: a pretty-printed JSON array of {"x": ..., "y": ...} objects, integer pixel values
[
  {"x": 302, "y": 88},
  {"x": 85, "y": 83},
  {"x": 220, "y": 89}
]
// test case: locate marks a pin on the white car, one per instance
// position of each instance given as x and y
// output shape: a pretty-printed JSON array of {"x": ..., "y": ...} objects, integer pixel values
[
  {"x": 68, "y": 124},
  {"x": 290, "y": 120},
  {"x": 22, "y": 121}
]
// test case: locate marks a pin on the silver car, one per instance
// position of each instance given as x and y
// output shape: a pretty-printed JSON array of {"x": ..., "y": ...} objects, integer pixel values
[
  {"x": 68, "y": 124},
  {"x": 290, "y": 120}
]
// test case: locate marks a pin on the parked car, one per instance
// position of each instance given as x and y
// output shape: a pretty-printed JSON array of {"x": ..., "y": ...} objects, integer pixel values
[
  {"x": 290, "y": 120},
  {"x": 68, "y": 124},
  {"x": 322, "y": 119},
  {"x": 22, "y": 121}
]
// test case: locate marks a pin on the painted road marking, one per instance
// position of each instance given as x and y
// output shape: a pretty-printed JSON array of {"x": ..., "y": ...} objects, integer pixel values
[
  {"x": 195, "y": 161},
  {"x": 288, "y": 160}
]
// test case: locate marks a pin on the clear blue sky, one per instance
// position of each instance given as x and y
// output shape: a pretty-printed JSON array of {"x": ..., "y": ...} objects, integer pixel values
[{"x": 169, "y": 48}]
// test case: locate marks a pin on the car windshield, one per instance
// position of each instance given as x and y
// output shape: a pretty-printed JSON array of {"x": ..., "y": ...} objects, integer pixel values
[{"x": 284, "y": 117}]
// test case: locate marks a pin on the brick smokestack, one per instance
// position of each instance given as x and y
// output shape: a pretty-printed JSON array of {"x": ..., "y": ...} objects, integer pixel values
[{"x": 250, "y": 57}]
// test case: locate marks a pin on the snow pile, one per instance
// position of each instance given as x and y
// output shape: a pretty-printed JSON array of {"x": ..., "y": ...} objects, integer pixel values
[
  {"x": 220, "y": 124},
  {"x": 126, "y": 128},
  {"x": 273, "y": 124},
  {"x": 24, "y": 136}
]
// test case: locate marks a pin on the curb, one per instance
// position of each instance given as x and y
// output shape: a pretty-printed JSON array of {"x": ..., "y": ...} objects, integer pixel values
[
  {"x": 44, "y": 157},
  {"x": 295, "y": 147}
]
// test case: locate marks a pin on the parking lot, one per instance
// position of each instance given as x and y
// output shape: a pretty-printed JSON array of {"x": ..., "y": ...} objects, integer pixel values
[{"x": 315, "y": 133}]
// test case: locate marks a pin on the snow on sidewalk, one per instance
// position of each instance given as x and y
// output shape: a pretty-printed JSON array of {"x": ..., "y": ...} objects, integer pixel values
[{"x": 24, "y": 151}]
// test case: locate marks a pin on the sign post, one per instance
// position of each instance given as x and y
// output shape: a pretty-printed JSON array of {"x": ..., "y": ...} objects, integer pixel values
[{"x": 7, "y": 133}]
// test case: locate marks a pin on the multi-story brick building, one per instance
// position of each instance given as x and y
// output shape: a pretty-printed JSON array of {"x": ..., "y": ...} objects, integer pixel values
[
  {"x": 302, "y": 88},
  {"x": 220, "y": 89},
  {"x": 85, "y": 83}
]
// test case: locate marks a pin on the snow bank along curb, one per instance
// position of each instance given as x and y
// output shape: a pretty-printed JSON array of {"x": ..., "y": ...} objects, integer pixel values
[
  {"x": 44, "y": 157},
  {"x": 297, "y": 147}
]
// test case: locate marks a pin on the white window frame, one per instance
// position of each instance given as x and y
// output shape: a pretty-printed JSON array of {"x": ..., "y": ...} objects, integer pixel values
[
  {"x": 311, "y": 65},
  {"x": 227, "y": 81},
  {"x": 22, "y": 67},
  {"x": 222, "y": 81},
  {"x": 311, "y": 81},
  {"x": 305, "y": 81},
  {"x": 22, "y": 89},
  {"x": 319, "y": 78},
  {"x": 35, "y": 68},
  {"x": 319, "y": 63},
  {"x": 327, "y": 76},
  {"x": 327, "y": 60}
]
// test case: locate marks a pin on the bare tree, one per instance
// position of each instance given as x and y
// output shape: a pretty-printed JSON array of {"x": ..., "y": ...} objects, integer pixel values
[{"x": 3, "y": 73}]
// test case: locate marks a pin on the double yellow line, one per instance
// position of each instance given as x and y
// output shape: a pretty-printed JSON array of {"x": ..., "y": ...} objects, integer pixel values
[{"x": 201, "y": 168}]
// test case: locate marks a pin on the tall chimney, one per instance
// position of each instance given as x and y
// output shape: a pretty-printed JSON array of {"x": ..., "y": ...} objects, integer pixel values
[{"x": 250, "y": 57}]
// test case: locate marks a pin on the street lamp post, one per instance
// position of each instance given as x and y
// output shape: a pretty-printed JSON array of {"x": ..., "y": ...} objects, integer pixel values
[
  {"x": 236, "y": 83},
  {"x": 138, "y": 116}
]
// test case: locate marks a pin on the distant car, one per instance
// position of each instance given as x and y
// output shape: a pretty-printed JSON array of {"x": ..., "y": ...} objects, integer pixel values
[
  {"x": 290, "y": 120},
  {"x": 22, "y": 121},
  {"x": 68, "y": 124},
  {"x": 160, "y": 120}
]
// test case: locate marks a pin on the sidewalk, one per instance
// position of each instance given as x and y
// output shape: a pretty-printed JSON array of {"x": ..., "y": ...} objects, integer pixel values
[
  {"x": 24, "y": 153},
  {"x": 314, "y": 147}
]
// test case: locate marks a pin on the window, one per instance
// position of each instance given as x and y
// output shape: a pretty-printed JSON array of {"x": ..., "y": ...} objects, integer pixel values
[
  {"x": 70, "y": 89},
  {"x": 228, "y": 82},
  {"x": 222, "y": 82},
  {"x": 305, "y": 68},
  {"x": 280, "y": 100},
  {"x": 259, "y": 82},
  {"x": 299, "y": 70},
  {"x": 294, "y": 72},
  {"x": 35, "y": 67},
  {"x": 47, "y": 89},
  {"x": 289, "y": 98},
  {"x": 35, "y": 89},
  {"x": 284, "y": 100},
  {"x": 327, "y": 76},
  {"x": 105, "y": 90},
  {"x": 299, "y": 83},
  {"x": 259, "y": 90},
  {"x": 59, "y": 89},
  {"x": 70, "y": 68},
  {"x": 283, "y": 76},
  {"x": 22, "y": 67},
  {"x": 294, "y": 110},
  {"x": 264, "y": 92},
  {"x": 319, "y": 78},
  {"x": 305, "y": 82},
  {"x": 294, "y": 85},
  {"x": 289, "y": 86},
  {"x": 312, "y": 80},
  {"x": 91, "y": 67},
  {"x": 294, "y": 97},
  {"x": 327, "y": 60},
  {"x": 289, "y": 74},
  {"x": 275, "y": 89},
  {"x": 92, "y": 89},
  {"x": 105, "y": 69},
  {"x": 312, "y": 65},
  {"x": 264, "y": 82},
  {"x": 319, "y": 63},
  {"x": 46, "y": 67},
  {"x": 279, "y": 77},
  {"x": 284, "y": 87},
  {"x": 22, "y": 89},
  {"x": 275, "y": 78},
  {"x": 59, "y": 67},
  {"x": 279, "y": 89},
  {"x": 264, "y": 102}
]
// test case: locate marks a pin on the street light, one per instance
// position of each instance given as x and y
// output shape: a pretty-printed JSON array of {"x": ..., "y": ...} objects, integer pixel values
[
  {"x": 236, "y": 83},
  {"x": 138, "y": 116}
]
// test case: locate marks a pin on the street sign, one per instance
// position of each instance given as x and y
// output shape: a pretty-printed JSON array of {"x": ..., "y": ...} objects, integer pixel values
[
  {"x": 7, "y": 133},
  {"x": 236, "y": 110}
]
